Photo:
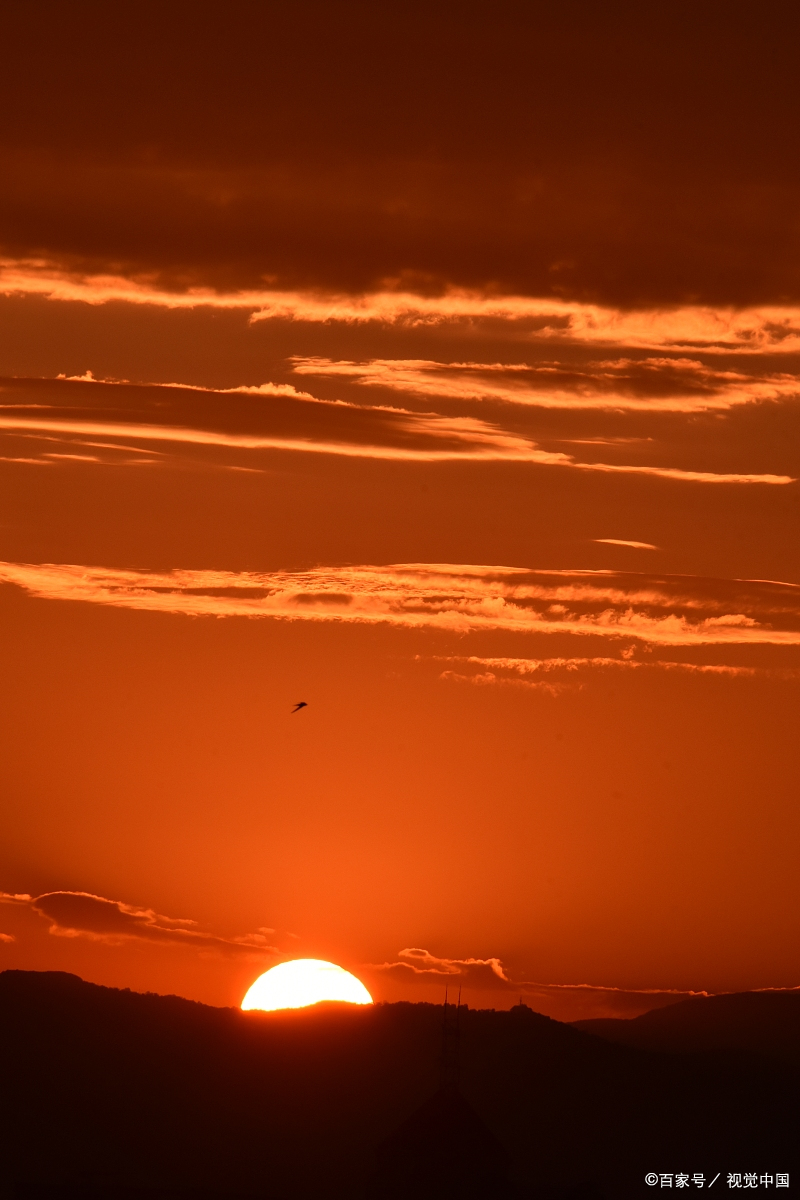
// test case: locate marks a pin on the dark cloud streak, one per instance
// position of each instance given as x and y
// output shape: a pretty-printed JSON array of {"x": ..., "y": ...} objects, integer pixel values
[
  {"x": 629, "y": 154},
  {"x": 82, "y": 914}
]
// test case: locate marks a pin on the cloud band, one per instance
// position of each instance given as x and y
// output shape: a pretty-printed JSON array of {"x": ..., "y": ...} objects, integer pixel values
[{"x": 660, "y": 610}]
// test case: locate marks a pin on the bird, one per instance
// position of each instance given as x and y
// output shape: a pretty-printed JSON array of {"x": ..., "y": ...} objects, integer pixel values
[{"x": 297, "y": 707}]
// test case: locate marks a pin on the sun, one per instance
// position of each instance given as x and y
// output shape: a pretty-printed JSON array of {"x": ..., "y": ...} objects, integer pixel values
[{"x": 303, "y": 982}]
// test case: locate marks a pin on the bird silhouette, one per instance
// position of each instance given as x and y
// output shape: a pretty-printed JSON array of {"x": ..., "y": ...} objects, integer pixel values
[{"x": 297, "y": 707}]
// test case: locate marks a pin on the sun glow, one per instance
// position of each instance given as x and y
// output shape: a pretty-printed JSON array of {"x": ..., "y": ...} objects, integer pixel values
[{"x": 303, "y": 982}]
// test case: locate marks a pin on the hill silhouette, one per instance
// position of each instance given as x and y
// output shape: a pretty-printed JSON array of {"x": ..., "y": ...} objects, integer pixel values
[
  {"x": 764, "y": 1023},
  {"x": 114, "y": 1095}
]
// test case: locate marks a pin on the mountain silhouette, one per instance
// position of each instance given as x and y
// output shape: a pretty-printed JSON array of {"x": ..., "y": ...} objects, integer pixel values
[
  {"x": 442, "y": 1148},
  {"x": 114, "y": 1095},
  {"x": 764, "y": 1023}
]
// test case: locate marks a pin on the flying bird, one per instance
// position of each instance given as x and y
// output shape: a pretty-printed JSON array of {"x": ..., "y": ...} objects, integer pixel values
[{"x": 297, "y": 707}]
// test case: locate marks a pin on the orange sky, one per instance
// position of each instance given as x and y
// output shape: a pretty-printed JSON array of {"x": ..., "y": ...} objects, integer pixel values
[{"x": 444, "y": 376}]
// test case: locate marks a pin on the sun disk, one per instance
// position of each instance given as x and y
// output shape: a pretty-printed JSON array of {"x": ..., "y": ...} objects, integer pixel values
[{"x": 302, "y": 982}]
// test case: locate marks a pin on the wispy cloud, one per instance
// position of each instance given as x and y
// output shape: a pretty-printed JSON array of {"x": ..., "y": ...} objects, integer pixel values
[
  {"x": 679, "y": 385},
  {"x": 74, "y": 457},
  {"x": 743, "y": 330},
  {"x": 395, "y": 432},
  {"x": 82, "y": 914},
  {"x": 624, "y": 542},
  {"x": 562, "y": 673},
  {"x": 471, "y": 438},
  {"x": 490, "y": 679},
  {"x": 565, "y": 1001},
  {"x": 588, "y": 1001},
  {"x": 259, "y": 389},
  {"x": 419, "y": 966},
  {"x": 660, "y": 610}
]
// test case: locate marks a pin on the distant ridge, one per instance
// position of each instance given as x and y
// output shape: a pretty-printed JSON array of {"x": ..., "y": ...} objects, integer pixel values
[
  {"x": 765, "y": 1023},
  {"x": 115, "y": 1095}
]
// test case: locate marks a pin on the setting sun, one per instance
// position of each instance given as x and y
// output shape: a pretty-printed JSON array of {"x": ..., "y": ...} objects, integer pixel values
[{"x": 303, "y": 982}]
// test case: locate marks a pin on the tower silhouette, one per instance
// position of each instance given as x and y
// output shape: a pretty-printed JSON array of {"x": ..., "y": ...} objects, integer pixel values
[
  {"x": 450, "y": 1074},
  {"x": 443, "y": 1150}
]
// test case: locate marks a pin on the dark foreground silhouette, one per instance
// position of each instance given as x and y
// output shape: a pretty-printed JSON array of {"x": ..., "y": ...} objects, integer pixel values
[
  {"x": 764, "y": 1023},
  {"x": 112, "y": 1095}
]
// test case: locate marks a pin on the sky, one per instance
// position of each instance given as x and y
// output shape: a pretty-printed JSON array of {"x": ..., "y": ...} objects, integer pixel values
[{"x": 437, "y": 366}]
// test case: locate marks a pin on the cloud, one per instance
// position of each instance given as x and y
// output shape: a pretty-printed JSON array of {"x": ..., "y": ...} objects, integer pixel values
[
  {"x": 677, "y": 385},
  {"x": 660, "y": 610},
  {"x": 260, "y": 389},
  {"x": 688, "y": 476},
  {"x": 588, "y": 1001},
  {"x": 490, "y": 678},
  {"x": 244, "y": 172},
  {"x": 564, "y": 1001},
  {"x": 419, "y": 966},
  {"x": 392, "y": 435},
  {"x": 82, "y": 914},
  {"x": 506, "y": 671},
  {"x": 7, "y": 937},
  {"x": 74, "y": 457},
  {"x": 470, "y": 438},
  {"x": 728, "y": 329},
  {"x": 622, "y": 542}
]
